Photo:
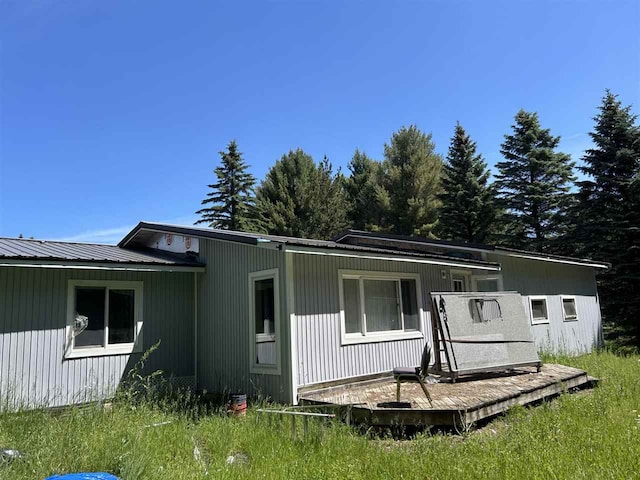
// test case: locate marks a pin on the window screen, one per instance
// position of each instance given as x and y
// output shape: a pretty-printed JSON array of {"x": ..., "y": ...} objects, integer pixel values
[
  {"x": 352, "y": 314},
  {"x": 381, "y": 305},
  {"x": 410, "y": 305}
]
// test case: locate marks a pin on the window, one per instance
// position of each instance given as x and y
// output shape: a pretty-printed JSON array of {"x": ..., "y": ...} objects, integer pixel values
[
  {"x": 379, "y": 306},
  {"x": 484, "y": 310},
  {"x": 569, "y": 310},
  {"x": 488, "y": 283},
  {"x": 264, "y": 321},
  {"x": 104, "y": 318},
  {"x": 460, "y": 281},
  {"x": 457, "y": 284},
  {"x": 539, "y": 312}
]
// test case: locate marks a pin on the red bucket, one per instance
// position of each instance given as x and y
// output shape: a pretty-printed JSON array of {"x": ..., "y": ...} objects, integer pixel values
[{"x": 237, "y": 404}]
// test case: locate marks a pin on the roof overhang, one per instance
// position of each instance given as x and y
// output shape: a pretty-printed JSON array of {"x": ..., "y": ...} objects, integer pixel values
[
  {"x": 494, "y": 267},
  {"x": 476, "y": 248},
  {"x": 143, "y": 227},
  {"x": 113, "y": 266},
  {"x": 542, "y": 258},
  {"x": 144, "y": 230}
]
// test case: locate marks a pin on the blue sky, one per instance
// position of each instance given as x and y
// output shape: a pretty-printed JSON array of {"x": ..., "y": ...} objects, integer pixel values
[{"x": 113, "y": 112}]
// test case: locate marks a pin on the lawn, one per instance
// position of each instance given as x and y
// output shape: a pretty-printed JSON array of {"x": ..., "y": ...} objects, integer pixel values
[{"x": 584, "y": 435}]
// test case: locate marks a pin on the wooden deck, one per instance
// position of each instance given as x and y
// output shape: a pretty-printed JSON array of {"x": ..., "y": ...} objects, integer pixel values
[{"x": 454, "y": 404}]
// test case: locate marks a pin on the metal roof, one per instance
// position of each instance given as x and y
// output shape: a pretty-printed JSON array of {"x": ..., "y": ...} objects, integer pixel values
[
  {"x": 499, "y": 250},
  {"x": 44, "y": 250},
  {"x": 141, "y": 231}
]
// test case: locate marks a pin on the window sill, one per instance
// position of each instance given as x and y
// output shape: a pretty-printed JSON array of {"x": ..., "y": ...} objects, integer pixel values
[
  {"x": 380, "y": 337},
  {"x": 265, "y": 369},
  {"x": 544, "y": 321},
  {"x": 124, "y": 349},
  {"x": 571, "y": 319}
]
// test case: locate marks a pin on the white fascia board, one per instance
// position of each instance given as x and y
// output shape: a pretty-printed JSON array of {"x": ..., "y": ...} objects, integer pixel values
[
  {"x": 580, "y": 263},
  {"x": 376, "y": 256},
  {"x": 498, "y": 251},
  {"x": 132, "y": 267}
]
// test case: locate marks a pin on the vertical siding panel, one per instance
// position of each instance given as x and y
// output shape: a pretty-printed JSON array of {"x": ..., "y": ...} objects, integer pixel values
[
  {"x": 33, "y": 313},
  {"x": 5, "y": 329},
  {"x": 19, "y": 336},
  {"x": 223, "y": 340},
  {"x": 321, "y": 357},
  {"x": 530, "y": 277}
]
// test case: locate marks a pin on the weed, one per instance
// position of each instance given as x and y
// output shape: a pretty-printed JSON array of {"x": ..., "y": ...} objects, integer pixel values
[{"x": 596, "y": 435}]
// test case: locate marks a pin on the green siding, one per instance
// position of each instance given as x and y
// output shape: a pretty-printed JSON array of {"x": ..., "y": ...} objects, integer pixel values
[
  {"x": 223, "y": 321},
  {"x": 320, "y": 355},
  {"x": 33, "y": 309},
  {"x": 535, "y": 277}
]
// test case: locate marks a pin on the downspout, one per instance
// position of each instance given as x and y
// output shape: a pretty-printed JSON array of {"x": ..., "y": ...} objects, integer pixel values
[{"x": 195, "y": 330}]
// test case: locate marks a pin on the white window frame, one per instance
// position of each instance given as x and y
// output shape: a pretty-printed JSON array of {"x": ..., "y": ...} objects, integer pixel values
[
  {"x": 253, "y": 278},
  {"x": 71, "y": 351},
  {"x": 575, "y": 303},
  {"x": 497, "y": 277},
  {"x": 466, "y": 278},
  {"x": 372, "y": 337},
  {"x": 535, "y": 321}
]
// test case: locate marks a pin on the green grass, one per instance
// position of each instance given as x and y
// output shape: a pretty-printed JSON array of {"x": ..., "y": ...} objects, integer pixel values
[
  {"x": 621, "y": 339},
  {"x": 584, "y": 435}
]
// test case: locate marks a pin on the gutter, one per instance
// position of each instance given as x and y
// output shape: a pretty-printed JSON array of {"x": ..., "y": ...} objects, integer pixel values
[{"x": 127, "y": 267}]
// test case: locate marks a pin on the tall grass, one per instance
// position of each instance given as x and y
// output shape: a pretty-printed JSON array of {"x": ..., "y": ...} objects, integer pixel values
[{"x": 584, "y": 435}]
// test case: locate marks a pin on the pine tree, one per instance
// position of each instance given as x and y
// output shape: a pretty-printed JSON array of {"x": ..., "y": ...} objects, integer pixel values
[
  {"x": 533, "y": 185},
  {"x": 411, "y": 183},
  {"x": 230, "y": 204},
  {"x": 329, "y": 202},
  {"x": 363, "y": 188},
  {"x": 301, "y": 199},
  {"x": 468, "y": 206},
  {"x": 608, "y": 210}
]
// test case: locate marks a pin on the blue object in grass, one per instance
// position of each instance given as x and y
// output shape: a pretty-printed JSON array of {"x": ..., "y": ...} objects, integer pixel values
[{"x": 84, "y": 476}]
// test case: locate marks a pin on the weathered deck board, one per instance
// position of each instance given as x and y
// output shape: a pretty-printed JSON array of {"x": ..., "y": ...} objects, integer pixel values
[{"x": 464, "y": 401}]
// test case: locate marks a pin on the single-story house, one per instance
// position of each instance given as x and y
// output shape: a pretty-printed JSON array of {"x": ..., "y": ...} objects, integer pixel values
[{"x": 260, "y": 314}]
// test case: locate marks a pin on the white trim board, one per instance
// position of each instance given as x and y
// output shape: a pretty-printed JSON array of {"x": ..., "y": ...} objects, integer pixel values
[
  {"x": 71, "y": 351},
  {"x": 497, "y": 251},
  {"x": 543, "y": 321},
  {"x": 132, "y": 267},
  {"x": 575, "y": 306},
  {"x": 276, "y": 369},
  {"x": 375, "y": 256},
  {"x": 388, "y": 335}
]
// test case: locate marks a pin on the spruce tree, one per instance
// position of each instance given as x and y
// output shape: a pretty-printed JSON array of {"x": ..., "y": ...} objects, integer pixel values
[
  {"x": 468, "y": 206},
  {"x": 411, "y": 183},
  {"x": 230, "y": 204},
  {"x": 301, "y": 199},
  {"x": 363, "y": 189},
  {"x": 608, "y": 210},
  {"x": 533, "y": 184}
]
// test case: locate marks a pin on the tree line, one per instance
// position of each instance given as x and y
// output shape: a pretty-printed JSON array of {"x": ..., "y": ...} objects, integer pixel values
[{"x": 534, "y": 202}]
